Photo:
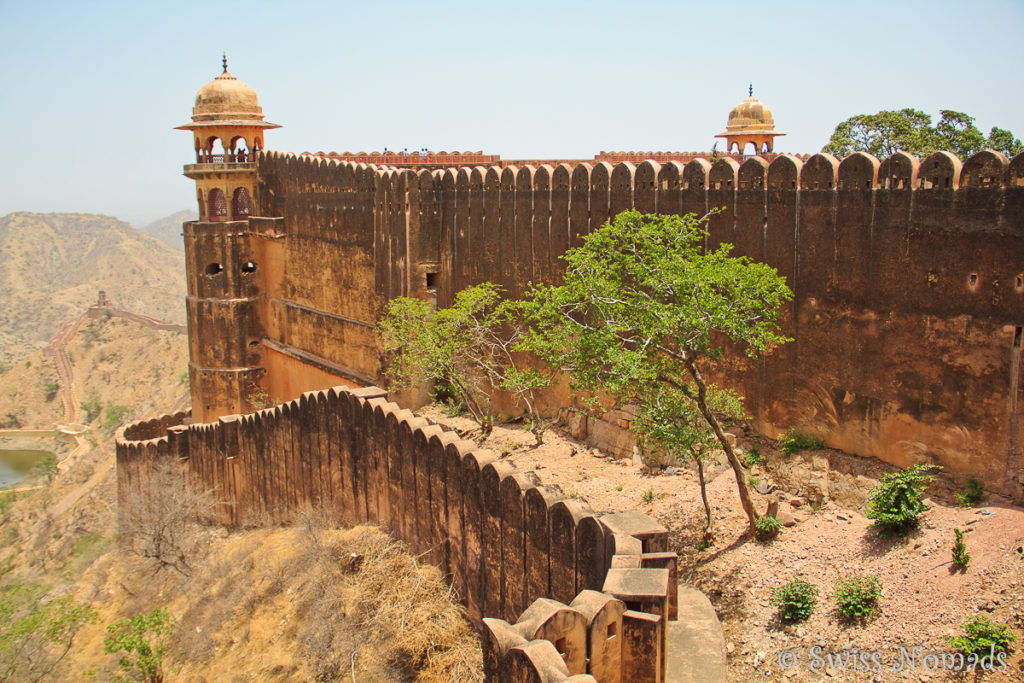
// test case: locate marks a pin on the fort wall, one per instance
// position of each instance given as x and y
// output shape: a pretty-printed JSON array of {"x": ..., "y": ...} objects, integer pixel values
[
  {"x": 513, "y": 549},
  {"x": 907, "y": 275}
]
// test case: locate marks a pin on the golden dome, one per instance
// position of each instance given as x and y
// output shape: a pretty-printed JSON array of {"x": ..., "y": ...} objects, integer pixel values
[
  {"x": 226, "y": 97},
  {"x": 750, "y": 116}
]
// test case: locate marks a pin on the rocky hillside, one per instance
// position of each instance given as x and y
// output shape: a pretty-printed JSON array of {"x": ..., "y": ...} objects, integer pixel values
[
  {"x": 168, "y": 229},
  {"x": 52, "y": 265}
]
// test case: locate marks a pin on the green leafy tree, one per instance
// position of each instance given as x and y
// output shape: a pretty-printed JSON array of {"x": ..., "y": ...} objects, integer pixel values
[
  {"x": 883, "y": 134},
  {"x": 642, "y": 309},
  {"x": 1003, "y": 141},
  {"x": 138, "y": 642},
  {"x": 466, "y": 350},
  {"x": 35, "y": 633},
  {"x": 911, "y": 130}
]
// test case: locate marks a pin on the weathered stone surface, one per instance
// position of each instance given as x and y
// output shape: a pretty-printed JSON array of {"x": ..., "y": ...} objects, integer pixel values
[
  {"x": 564, "y": 627},
  {"x": 535, "y": 662},
  {"x": 604, "y": 633},
  {"x": 669, "y": 561},
  {"x": 643, "y": 590},
  {"x": 611, "y": 438},
  {"x": 642, "y": 654},
  {"x": 497, "y": 638},
  {"x": 650, "y": 533}
]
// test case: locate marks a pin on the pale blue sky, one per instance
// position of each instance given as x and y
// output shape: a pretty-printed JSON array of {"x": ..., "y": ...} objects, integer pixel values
[{"x": 92, "y": 90}]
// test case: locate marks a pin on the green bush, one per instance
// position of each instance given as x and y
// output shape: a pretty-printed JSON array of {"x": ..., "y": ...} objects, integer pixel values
[
  {"x": 898, "y": 500},
  {"x": 649, "y": 496},
  {"x": 960, "y": 555},
  {"x": 50, "y": 390},
  {"x": 767, "y": 527},
  {"x": 857, "y": 596},
  {"x": 795, "y": 600},
  {"x": 795, "y": 440},
  {"x": 452, "y": 407},
  {"x": 752, "y": 457},
  {"x": 113, "y": 415},
  {"x": 91, "y": 406},
  {"x": 36, "y": 633},
  {"x": 973, "y": 493},
  {"x": 138, "y": 642},
  {"x": 46, "y": 467},
  {"x": 982, "y": 637}
]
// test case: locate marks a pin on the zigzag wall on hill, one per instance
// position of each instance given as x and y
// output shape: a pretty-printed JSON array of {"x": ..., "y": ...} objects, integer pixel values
[{"x": 908, "y": 278}]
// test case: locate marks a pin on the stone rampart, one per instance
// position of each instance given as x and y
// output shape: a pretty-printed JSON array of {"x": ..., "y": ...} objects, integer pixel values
[
  {"x": 908, "y": 283},
  {"x": 502, "y": 538}
]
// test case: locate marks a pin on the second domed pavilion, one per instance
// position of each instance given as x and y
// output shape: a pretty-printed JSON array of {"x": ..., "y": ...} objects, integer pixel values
[{"x": 750, "y": 122}]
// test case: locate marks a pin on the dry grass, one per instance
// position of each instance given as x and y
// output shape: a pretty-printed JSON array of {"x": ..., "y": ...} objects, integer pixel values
[{"x": 317, "y": 602}]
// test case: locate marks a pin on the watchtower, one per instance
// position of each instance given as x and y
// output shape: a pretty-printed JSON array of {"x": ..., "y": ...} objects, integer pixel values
[
  {"x": 227, "y": 125},
  {"x": 222, "y": 257}
]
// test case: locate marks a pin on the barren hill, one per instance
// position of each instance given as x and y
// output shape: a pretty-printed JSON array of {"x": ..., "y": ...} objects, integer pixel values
[
  {"x": 168, "y": 228},
  {"x": 52, "y": 266}
]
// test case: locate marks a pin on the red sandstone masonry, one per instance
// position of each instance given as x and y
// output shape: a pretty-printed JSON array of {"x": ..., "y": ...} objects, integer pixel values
[
  {"x": 886, "y": 259},
  {"x": 503, "y": 539}
]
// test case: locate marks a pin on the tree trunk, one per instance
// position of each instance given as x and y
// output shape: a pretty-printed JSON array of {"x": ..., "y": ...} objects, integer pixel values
[
  {"x": 704, "y": 498},
  {"x": 734, "y": 462}
]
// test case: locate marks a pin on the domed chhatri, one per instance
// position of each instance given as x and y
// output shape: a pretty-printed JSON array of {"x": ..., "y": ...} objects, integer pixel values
[
  {"x": 750, "y": 121},
  {"x": 226, "y": 110},
  {"x": 227, "y": 127},
  {"x": 226, "y": 96}
]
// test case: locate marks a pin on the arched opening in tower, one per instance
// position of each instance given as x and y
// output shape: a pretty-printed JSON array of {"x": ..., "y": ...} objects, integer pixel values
[
  {"x": 215, "y": 151},
  {"x": 217, "y": 206},
  {"x": 239, "y": 149},
  {"x": 241, "y": 204}
]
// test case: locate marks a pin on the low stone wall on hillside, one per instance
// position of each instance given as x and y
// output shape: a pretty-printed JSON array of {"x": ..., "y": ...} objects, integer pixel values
[{"x": 513, "y": 548}]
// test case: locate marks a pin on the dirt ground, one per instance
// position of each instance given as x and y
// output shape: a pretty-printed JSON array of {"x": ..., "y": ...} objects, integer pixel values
[{"x": 823, "y": 494}]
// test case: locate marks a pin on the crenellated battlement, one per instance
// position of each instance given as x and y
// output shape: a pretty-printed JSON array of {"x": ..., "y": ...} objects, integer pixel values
[
  {"x": 907, "y": 278},
  {"x": 512, "y": 548}
]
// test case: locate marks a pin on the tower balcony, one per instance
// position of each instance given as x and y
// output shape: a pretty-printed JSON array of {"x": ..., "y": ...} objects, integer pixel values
[{"x": 216, "y": 163}]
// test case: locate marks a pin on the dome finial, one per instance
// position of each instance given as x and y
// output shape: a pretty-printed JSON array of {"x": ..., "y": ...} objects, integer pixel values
[
  {"x": 224, "y": 61},
  {"x": 750, "y": 91}
]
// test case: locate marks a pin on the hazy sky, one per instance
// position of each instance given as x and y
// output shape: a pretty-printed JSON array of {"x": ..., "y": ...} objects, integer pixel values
[{"x": 92, "y": 90}]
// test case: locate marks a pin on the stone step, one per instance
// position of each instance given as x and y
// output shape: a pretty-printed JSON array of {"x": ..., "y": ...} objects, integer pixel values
[{"x": 695, "y": 643}]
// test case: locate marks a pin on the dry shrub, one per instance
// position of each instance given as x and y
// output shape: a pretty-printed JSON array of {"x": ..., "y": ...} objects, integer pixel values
[
  {"x": 159, "y": 518},
  {"x": 372, "y": 608}
]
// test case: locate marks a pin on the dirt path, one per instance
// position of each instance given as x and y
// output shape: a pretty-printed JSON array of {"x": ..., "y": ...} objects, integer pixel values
[{"x": 57, "y": 347}]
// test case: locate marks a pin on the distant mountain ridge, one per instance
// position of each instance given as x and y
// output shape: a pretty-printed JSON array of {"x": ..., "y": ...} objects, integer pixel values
[
  {"x": 168, "y": 229},
  {"x": 53, "y": 265}
]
